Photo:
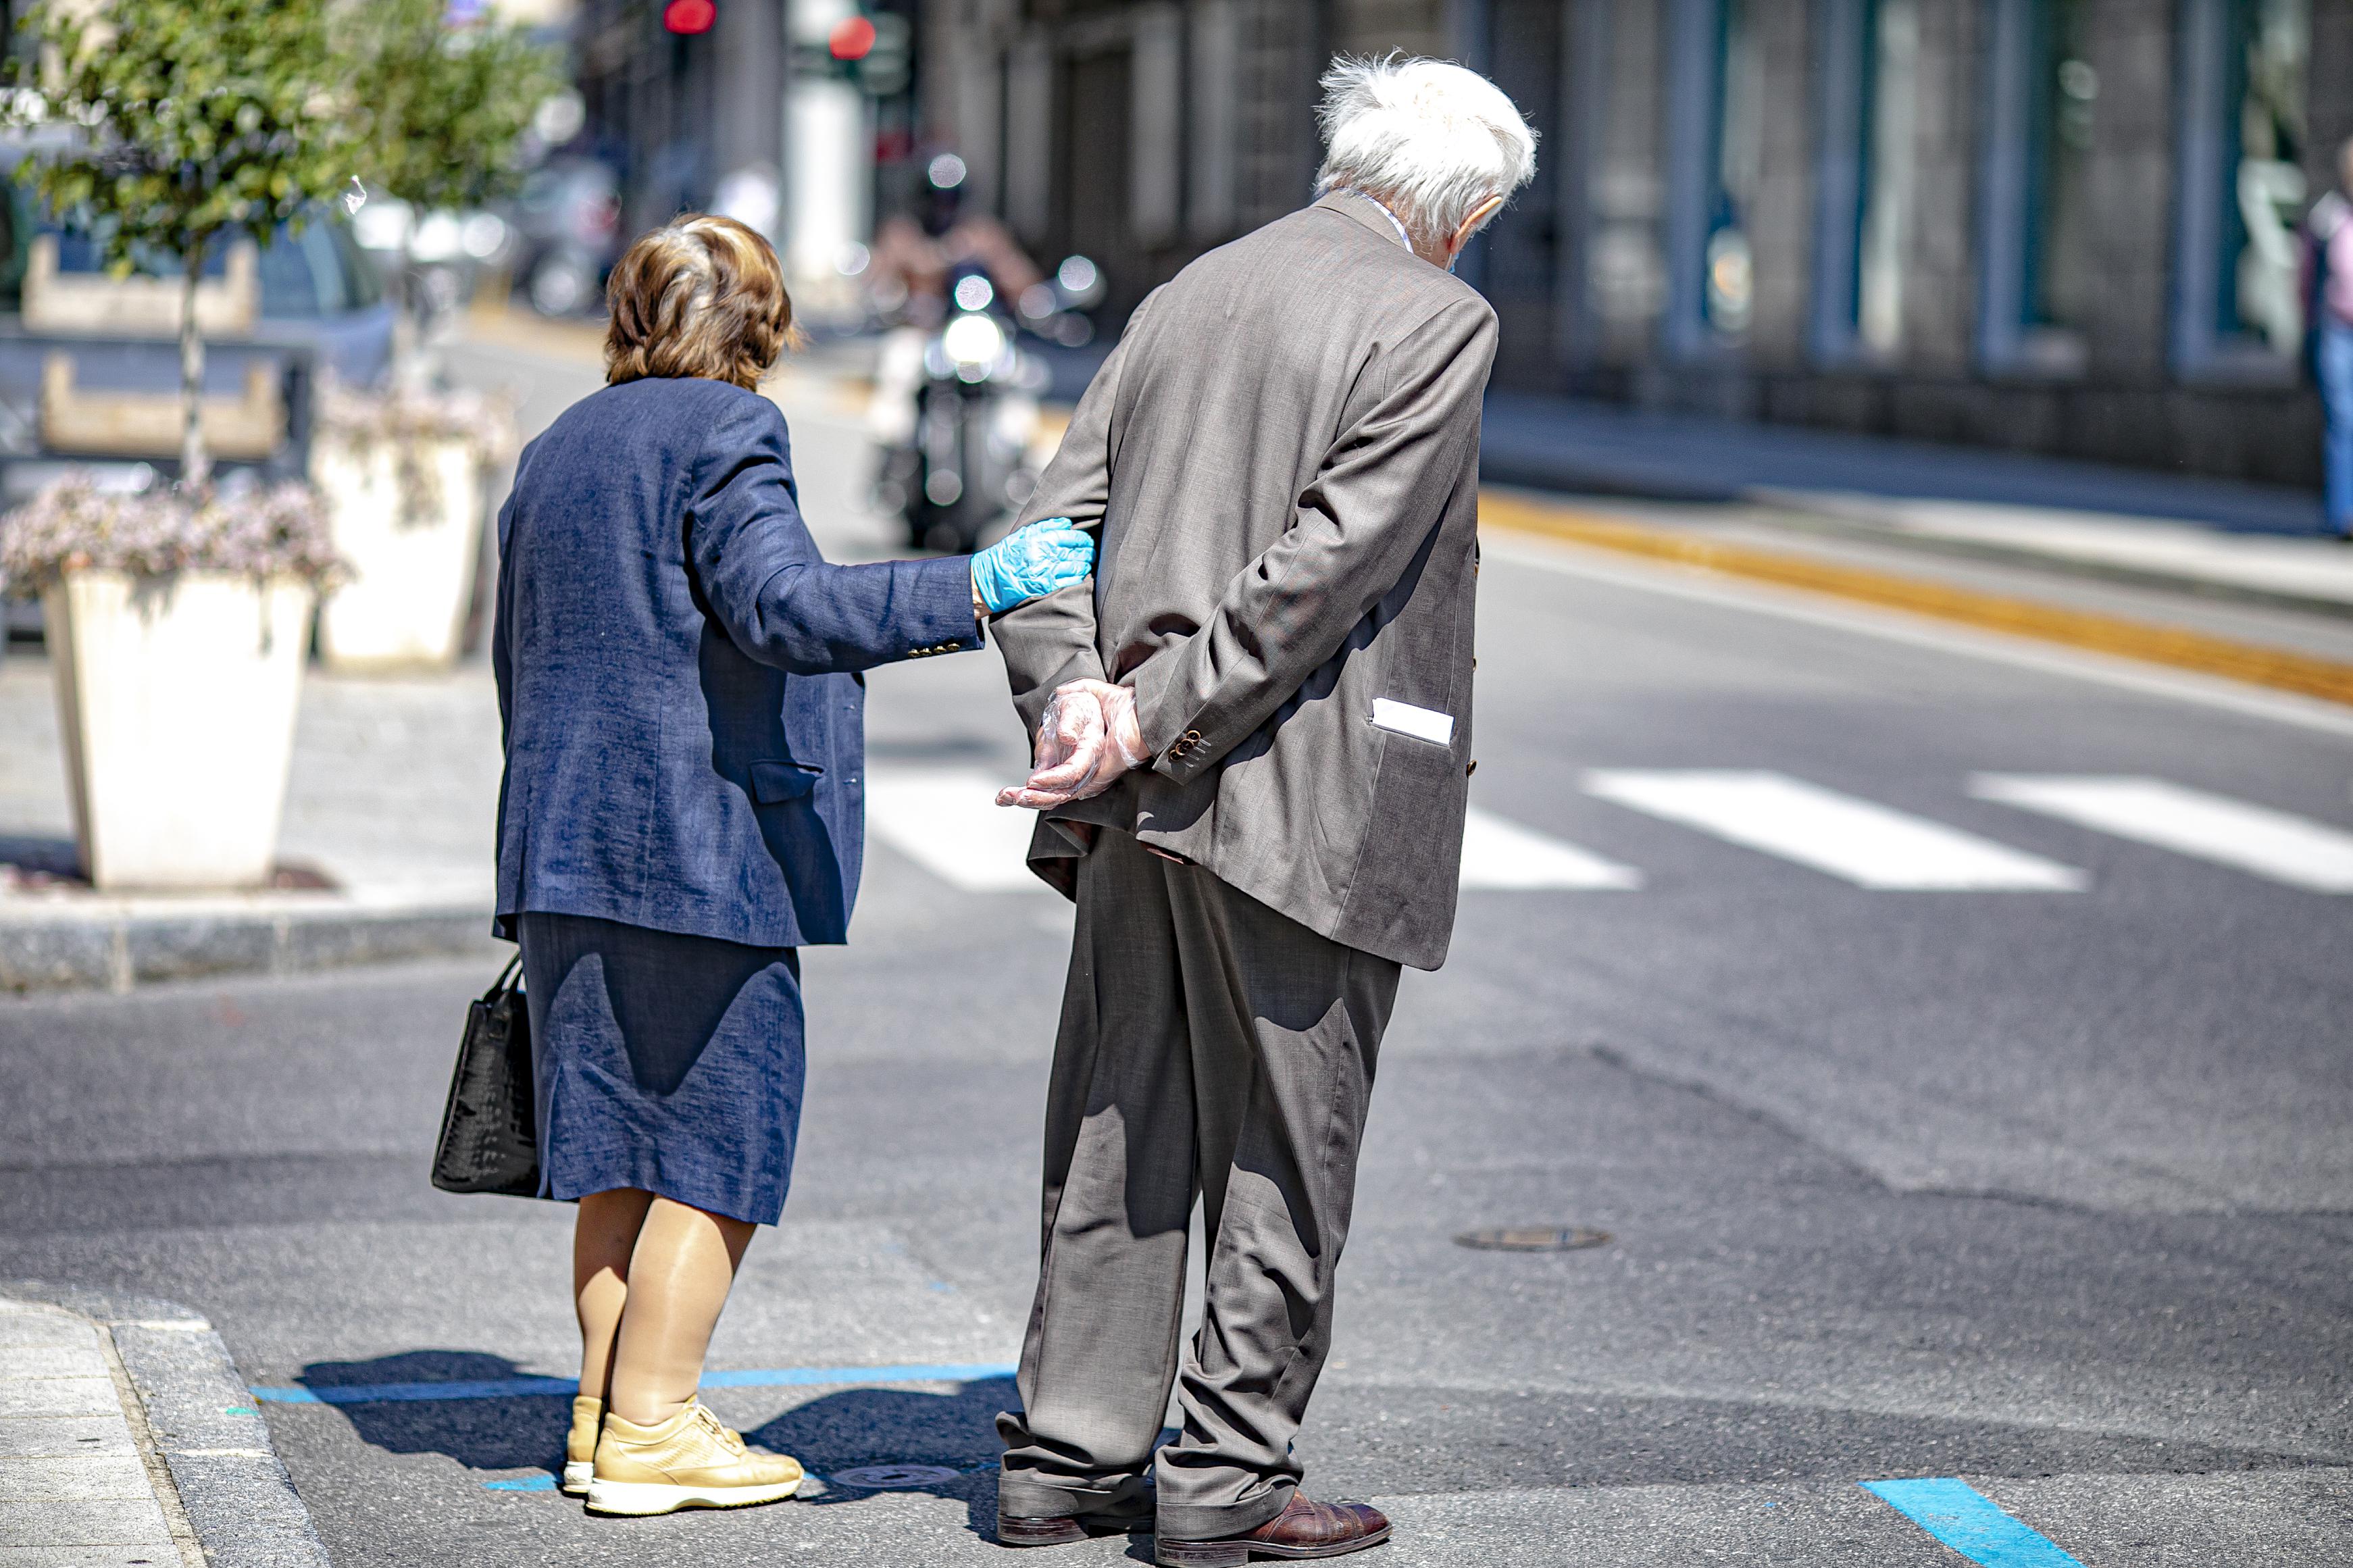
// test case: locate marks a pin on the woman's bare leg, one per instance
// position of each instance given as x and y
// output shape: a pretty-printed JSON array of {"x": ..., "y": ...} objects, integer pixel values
[
  {"x": 603, "y": 1236},
  {"x": 677, "y": 1281}
]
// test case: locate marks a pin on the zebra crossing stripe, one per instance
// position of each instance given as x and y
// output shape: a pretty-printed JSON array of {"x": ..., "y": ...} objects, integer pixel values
[
  {"x": 1500, "y": 854},
  {"x": 2254, "y": 838},
  {"x": 947, "y": 821},
  {"x": 1970, "y": 1522},
  {"x": 1870, "y": 845}
]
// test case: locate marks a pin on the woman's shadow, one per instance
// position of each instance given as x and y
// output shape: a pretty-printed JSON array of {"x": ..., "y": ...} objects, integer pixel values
[{"x": 834, "y": 1436}]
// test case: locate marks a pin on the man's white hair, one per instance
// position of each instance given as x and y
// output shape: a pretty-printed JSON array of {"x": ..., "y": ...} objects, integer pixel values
[{"x": 1430, "y": 141}]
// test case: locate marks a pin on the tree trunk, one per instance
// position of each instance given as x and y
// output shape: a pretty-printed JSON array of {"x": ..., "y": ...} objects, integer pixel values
[{"x": 196, "y": 466}]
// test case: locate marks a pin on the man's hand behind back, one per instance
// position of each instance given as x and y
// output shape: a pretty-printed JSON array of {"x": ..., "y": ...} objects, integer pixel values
[{"x": 1086, "y": 740}]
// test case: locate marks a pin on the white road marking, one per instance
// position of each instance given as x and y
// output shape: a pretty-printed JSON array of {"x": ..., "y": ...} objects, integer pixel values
[
  {"x": 1870, "y": 845},
  {"x": 2273, "y": 844},
  {"x": 948, "y": 822},
  {"x": 1501, "y": 854}
]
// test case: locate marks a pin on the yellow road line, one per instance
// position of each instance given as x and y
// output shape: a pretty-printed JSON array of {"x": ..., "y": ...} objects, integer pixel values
[{"x": 2249, "y": 662}]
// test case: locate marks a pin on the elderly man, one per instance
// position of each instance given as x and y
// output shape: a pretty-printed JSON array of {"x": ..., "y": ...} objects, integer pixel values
[{"x": 1253, "y": 735}]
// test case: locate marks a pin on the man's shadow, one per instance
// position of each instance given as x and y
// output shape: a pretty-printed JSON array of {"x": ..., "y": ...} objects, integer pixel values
[
  {"x": 858, "y": 1428},
  {"x": 845, "y": 1431}
]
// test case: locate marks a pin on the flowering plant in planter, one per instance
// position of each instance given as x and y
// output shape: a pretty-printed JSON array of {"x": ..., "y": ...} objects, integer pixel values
[
  {"x": 177, "y": 624},
  {"x": 412, "y": 423},
  {"x": 403, "y": 473},
  {"x": 72, "y": 525}
]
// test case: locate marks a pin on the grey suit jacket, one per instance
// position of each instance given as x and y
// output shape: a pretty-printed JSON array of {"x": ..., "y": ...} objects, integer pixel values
[{"x": 1284, "y": 453}]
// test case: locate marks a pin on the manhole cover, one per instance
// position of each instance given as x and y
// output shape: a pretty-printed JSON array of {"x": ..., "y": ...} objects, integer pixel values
[
  {"x": 893, "y": 1478},
  {"x": 1532, "y": 1238}
]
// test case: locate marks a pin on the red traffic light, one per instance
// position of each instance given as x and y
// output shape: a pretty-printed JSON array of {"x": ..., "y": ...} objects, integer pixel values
[
  {"x": 690, "y": 16},
  {"x": 851, "y": 38}
]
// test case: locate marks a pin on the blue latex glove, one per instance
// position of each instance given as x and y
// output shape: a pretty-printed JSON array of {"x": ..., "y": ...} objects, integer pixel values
[{"x": 1030, "y": 563}]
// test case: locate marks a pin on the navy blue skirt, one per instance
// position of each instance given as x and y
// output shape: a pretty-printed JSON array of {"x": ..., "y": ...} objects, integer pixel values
[{"x": 669, "y": 1063}]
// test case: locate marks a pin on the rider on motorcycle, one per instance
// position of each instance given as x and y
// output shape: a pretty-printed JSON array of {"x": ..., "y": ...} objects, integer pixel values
[{"x": 915, "y": 261}]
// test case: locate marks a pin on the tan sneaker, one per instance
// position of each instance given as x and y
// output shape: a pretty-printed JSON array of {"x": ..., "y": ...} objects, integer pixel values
[
  {"x": 688, "y": 1461},
  {"x": 580, "y": 1444}
]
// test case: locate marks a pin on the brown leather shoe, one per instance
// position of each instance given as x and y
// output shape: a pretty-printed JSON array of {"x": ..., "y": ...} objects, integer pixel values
[
  {"x": 1017, "y": 1530},
  {"x": 1303, "y": 1528}
]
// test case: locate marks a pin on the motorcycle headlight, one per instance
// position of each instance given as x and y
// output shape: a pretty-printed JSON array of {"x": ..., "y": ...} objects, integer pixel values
[{"x": 973, "y": 341}]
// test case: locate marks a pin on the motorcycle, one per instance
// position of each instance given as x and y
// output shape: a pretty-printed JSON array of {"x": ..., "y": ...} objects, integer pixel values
[{"x": 963, "y": 462}]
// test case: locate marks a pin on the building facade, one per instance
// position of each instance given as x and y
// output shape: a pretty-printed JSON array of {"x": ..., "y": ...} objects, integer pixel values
[{"x": 2065, "y": 227}]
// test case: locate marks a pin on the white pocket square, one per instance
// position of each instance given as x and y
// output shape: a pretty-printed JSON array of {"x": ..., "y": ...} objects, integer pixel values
[{"x": 1421, "y": 723}]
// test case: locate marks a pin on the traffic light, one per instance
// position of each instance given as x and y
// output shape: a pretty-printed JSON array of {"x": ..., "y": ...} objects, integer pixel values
[
  {"x": 851, "y": 40},
  {"x": 871, "y": 49},
  {"x": 689, "y": 17}
]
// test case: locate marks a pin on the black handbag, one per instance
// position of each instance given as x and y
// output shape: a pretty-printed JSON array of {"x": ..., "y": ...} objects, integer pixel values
[{"x": 489, "y": 1129}]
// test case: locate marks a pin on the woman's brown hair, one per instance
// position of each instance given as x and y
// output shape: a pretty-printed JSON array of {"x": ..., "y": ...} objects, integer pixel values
[{"x": 700, "y": 296}]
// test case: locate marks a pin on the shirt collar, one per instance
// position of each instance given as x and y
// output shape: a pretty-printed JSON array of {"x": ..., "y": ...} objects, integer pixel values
[{"x": 1395, "y": 221}]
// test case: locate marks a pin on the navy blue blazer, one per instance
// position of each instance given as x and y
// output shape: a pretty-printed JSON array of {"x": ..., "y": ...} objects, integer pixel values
[{"x": 685, "y": 728}]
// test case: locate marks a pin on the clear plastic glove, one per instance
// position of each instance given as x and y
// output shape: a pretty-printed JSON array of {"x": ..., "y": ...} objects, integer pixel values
[
  {"x": 1087, "y": 738},
  {"x": 1030, "y": 563}
]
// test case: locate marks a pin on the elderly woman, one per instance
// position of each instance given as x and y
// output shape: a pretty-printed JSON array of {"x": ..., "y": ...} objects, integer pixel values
[{"x": 678, "y": 675}]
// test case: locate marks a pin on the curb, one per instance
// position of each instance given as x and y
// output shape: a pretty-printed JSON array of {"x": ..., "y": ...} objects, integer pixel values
[
  {"x": 128, "y": 944},
  {"x": 1860, "y": 521},
  {"x": 2325, "y": 680},
  {"x": 232, "y": 1488}
]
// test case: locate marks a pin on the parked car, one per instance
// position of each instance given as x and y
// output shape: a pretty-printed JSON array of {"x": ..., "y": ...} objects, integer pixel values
[{"x": 319, "y": 290}]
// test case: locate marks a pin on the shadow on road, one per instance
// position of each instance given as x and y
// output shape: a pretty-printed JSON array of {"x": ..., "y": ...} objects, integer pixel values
[
  {"x": 857, "y": 1427},
  {"x": 844, "y": 1431},
  {"x": 519, "y": 1432}
]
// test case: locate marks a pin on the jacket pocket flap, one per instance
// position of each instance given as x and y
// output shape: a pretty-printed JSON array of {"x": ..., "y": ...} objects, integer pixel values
[{"x": 775, "y": 781}]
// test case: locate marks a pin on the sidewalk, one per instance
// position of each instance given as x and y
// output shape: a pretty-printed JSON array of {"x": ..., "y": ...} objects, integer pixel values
[
  {"x": 127, "y": 1439},
  {"x": 2253, "y": 541}
]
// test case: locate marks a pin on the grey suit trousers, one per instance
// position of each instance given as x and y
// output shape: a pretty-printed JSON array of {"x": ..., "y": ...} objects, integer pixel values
[{"x": 1210, "y": 1047}]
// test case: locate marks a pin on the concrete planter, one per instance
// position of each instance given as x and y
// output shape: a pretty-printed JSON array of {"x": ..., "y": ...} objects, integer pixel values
[
  {"x": 412, "y": 566},
  {"x": 176, "y": 698}
]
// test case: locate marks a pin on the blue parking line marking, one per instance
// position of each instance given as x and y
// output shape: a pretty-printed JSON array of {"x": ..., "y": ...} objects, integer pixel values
[
  {"x": 521, "y": 1484},
  {"x": 1970, "y": 1522},
  {"x": 526, "y": 1388}
]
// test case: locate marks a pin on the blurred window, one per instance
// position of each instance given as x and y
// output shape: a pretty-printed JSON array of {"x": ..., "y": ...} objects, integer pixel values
[
  {"x": 289, "y": 285},
  {"x": 1728, "y": 282},
  {"x": 1517, "y": 266},
  {"x": 361, "y": 285},
  {"x": 2242, "y": 144},
  {"x": 1890, "y": 171},
  {"x": 2269, "y": 46},
  {"x": 2061, "y": 265},
  {"x": 17, "y": 224}
]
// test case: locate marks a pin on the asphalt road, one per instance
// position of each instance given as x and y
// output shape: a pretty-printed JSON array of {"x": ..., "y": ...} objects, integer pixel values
[{"x": 2048, "y": 1185}]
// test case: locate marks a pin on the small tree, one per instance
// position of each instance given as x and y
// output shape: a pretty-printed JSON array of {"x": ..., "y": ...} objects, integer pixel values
[
  {"x": 201, "y": 120},
  {"x": 441, "y": 107}
]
